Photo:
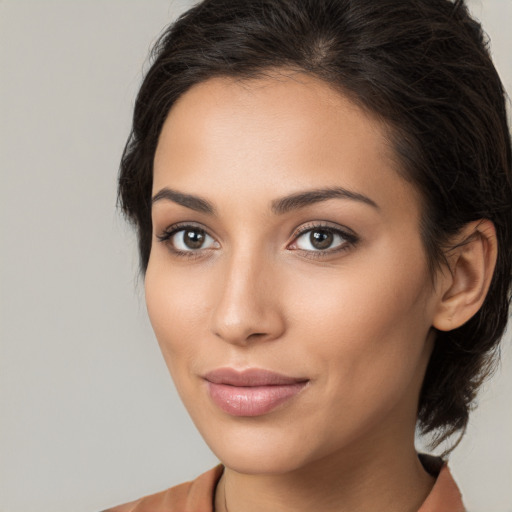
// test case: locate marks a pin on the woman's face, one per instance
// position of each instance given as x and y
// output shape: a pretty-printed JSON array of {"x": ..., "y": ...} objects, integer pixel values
[{"x": 285, "y": 242}]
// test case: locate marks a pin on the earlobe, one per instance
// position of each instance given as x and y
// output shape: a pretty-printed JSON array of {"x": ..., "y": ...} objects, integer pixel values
[{"x": 465, "y": 286}]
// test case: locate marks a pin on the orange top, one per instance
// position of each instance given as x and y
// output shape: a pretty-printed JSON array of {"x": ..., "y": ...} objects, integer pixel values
[{"x": 198, "y": 495}]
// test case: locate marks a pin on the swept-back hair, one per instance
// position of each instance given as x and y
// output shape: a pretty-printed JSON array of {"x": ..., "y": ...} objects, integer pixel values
[{"x": 423, "y": 68}]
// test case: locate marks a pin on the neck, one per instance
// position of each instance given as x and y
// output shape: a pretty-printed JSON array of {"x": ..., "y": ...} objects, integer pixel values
[{"x": 378, "y": 481}]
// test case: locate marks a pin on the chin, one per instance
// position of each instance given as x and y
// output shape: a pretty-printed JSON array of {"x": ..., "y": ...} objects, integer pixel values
[
  {"x": 260, "y": 462},
  {"x": 260, "y": 451}
]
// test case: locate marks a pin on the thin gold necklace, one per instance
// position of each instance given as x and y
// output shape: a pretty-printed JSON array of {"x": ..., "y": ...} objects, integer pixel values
[
  {"x": 223, "y": 490},
  {"x": 225, "y": 503}
]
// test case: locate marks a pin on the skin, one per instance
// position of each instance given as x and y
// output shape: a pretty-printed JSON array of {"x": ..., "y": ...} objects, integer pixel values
[{"x": 355, "y": 321}]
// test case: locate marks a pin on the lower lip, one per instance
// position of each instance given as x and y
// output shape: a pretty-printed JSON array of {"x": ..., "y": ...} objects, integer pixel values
[{"x": 252, "y": 400}]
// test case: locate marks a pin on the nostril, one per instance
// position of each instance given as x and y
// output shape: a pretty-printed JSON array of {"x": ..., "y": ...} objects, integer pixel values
[{"x": 257, "y": 335}]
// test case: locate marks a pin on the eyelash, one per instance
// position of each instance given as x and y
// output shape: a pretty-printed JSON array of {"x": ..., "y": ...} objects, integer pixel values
[
  {"x": 169, "y": 232},
  {"x": 350, "y": 239}
]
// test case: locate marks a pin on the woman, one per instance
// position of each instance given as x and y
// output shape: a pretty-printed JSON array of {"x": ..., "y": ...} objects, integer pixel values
[{"x": 322, "y": 193}]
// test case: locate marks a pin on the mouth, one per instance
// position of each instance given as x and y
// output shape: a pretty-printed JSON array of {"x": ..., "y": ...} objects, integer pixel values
[{"x": 252, "y": 392}]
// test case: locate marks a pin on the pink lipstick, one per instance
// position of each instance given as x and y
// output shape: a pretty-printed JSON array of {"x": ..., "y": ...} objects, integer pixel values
[{"x": 251, "y": 392}]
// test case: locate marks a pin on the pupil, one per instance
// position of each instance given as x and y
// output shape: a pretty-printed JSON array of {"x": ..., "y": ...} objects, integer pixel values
[
  {"x": 194, "y": 239},
  {"x": 321, "y": 239}
]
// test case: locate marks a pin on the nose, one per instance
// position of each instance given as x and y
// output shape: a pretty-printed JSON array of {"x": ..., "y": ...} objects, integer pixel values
[{"x": 247, "y": 305}]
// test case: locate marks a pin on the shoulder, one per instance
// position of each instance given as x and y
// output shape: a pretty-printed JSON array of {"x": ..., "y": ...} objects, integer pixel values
[
  {"x": 445, "y": 495},
  {"x": 194, "y": 496}
]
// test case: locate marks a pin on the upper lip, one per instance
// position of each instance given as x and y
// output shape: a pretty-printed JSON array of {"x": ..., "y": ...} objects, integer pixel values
[{"x": 250, "y": 377}]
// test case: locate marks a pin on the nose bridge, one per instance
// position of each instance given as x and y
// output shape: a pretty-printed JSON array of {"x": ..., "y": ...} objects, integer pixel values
[{"x": 246, "y": 306}]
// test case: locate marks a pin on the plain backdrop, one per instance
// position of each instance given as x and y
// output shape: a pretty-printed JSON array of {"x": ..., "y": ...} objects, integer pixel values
[{"x": 88, "y": 415}]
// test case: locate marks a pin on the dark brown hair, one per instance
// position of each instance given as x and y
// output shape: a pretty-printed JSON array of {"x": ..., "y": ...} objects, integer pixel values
[{"x": 423, "y": 68}]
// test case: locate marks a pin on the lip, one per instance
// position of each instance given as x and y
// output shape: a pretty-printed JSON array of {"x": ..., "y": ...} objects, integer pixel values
[{"x": 251, "y": 392}]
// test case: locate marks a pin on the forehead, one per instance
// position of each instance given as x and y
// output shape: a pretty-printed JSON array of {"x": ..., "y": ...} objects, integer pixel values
[
  {"x": 269, "y": 111},
  {"x": 272, "y": 135}
]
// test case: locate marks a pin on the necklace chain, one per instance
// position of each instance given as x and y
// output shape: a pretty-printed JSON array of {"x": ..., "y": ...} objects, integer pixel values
[{"x": 225, "y": 504}]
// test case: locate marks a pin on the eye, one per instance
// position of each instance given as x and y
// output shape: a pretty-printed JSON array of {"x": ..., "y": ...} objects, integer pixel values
[
  {"x": 323, "y": 239},
  {"x": 319, "y": 240},
  {"x": 187, "y": 239}
]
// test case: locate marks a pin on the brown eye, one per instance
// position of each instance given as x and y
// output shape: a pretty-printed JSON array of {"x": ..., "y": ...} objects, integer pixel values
[
  {"x": 191, "y": 239},
  {"x": 321, "y": 239}
]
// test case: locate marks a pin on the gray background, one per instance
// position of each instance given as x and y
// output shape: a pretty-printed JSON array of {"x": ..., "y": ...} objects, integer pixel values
[{"x": 88, "y": 414}]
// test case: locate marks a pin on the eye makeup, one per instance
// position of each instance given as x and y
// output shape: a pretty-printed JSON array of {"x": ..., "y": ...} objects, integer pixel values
[{"x": 315, "y": 239}]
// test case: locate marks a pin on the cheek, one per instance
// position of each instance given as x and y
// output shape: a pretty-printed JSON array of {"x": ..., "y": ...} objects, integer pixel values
[
  {"x": 368, "y": 325},
  {"x": 176, "y": 309},
  {"x": 372, "y": 299}
]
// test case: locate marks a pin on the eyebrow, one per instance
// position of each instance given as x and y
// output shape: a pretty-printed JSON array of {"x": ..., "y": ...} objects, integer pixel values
[
  {"x": 189, "y": 201},
  {"x": 303, "y": 199},
  {"x": 278, "y": 206}
]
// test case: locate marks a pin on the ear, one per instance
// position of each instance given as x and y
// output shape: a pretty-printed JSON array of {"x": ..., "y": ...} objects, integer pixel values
[{"x": 471, "y": 267}]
